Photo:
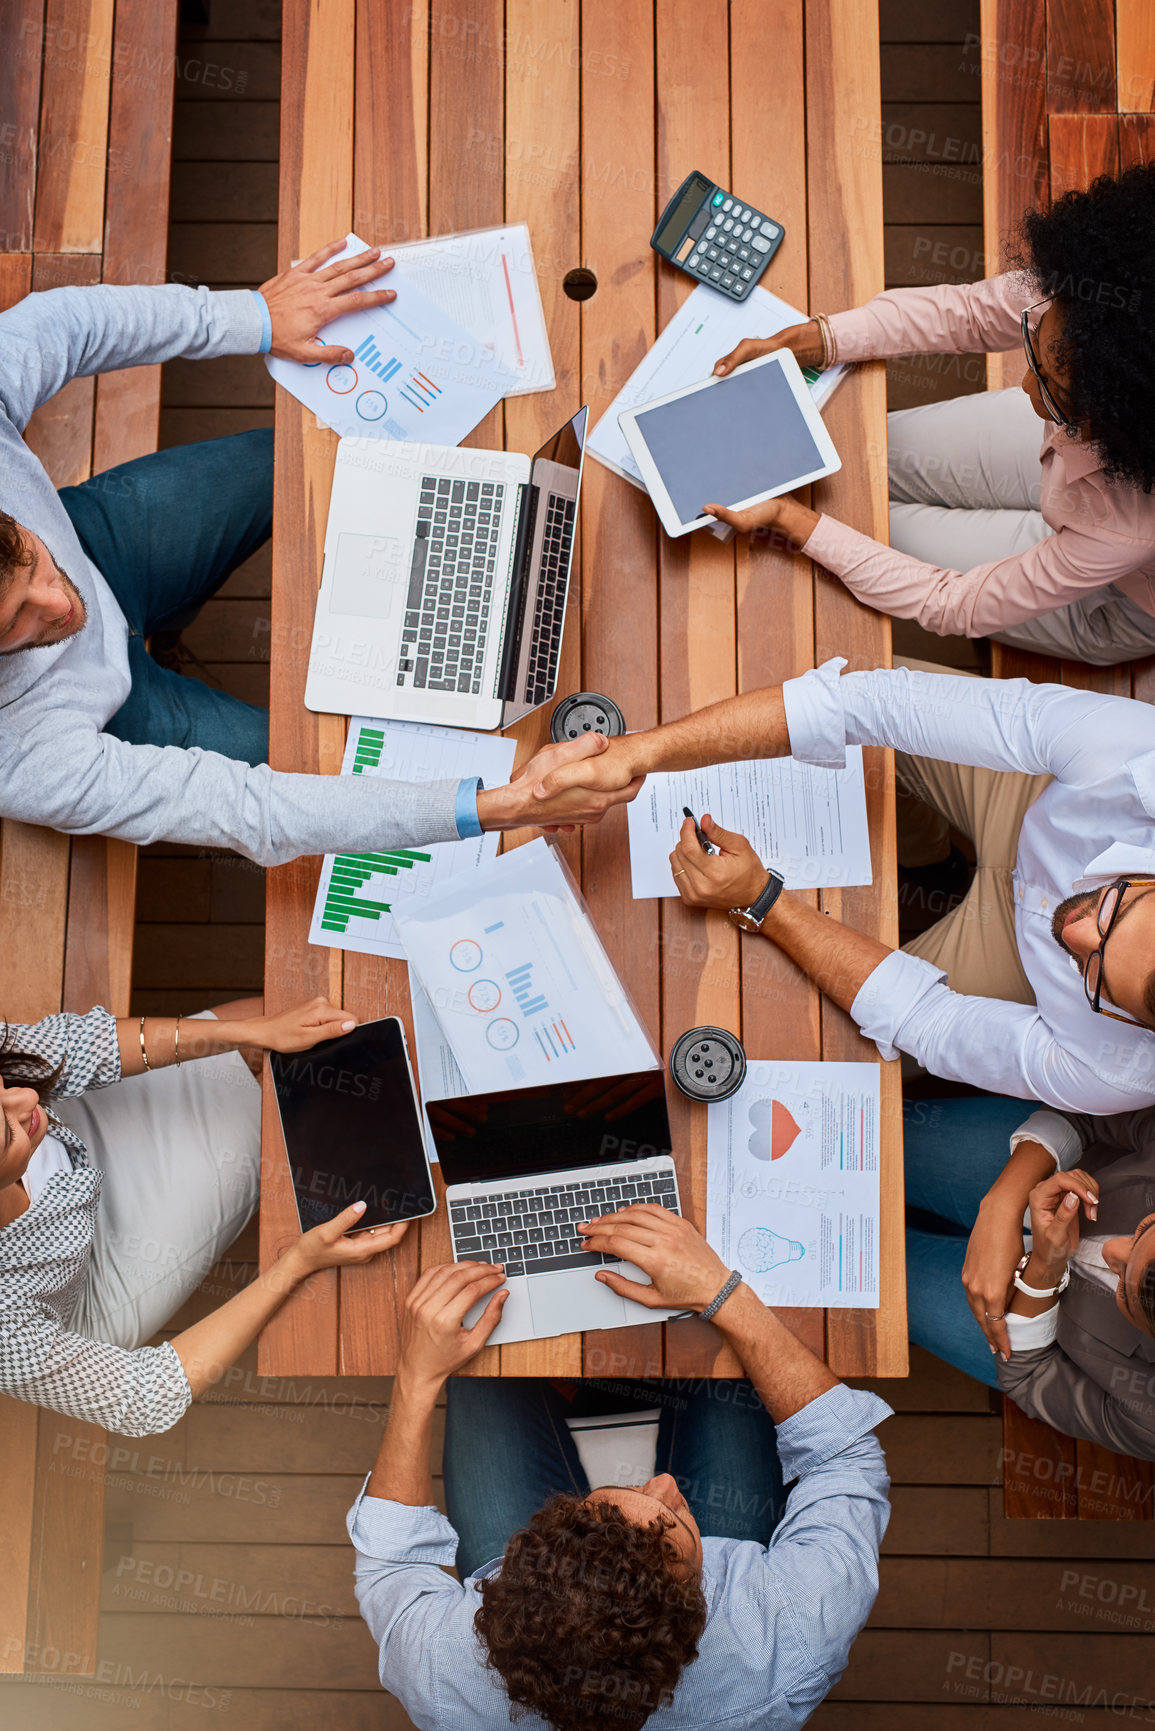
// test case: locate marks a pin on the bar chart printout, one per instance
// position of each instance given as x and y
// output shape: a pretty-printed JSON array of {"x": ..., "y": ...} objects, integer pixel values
[{"x": 359, "y": 892}]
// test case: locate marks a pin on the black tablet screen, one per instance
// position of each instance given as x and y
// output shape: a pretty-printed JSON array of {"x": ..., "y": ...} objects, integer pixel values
[
  {"x": 352, "y": 1127},
  {"x": 743, "y": 436}
]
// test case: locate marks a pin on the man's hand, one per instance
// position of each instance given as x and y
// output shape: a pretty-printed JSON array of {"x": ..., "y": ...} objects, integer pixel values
[
  {"x": 561, "y": 785},
  {"x": 311, "y": 294},
  {"x": 684, "y": 1270},
  {"x": 803, "y": 341},
  {"x": 433, "y": 1342},
  {"x": 731, "y": 878}
]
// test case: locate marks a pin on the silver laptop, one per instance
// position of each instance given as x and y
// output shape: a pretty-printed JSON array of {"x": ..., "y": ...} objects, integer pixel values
[
  {"x": 522, "y": 1167},
  {"x": 445, "y": 577}
]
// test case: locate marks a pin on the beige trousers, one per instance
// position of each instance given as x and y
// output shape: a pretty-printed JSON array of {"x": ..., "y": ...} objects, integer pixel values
[{"x": 974, "y": 944}]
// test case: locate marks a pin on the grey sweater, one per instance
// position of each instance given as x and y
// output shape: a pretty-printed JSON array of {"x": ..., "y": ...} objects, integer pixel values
[{"x": 57, "y": 765}]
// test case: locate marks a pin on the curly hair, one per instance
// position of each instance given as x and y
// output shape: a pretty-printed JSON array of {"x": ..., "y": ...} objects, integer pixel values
[
  {"x": 1094, "y": 252},
  {"x": 15, "y": 553},
  {"x": 587, "y": 1624}
]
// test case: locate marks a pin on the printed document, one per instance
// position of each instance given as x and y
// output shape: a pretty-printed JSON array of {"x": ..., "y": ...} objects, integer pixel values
[
  {"x": 487, "y": 281},
  {"x": 416, "y": 374},
  {"x": 809, "y": 824},
  {"x": 518, "y": 977},
  {"x": 792, "y": 1196},
  {"x": 705, "y": 327},
  {"x": 438, "y": 1077},
  {"x": 359, "y": 893}
]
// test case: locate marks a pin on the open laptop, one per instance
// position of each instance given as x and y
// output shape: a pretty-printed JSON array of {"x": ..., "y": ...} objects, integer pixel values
[
  {"x": 444, "y": 584},
  {"x": 521, "y": 1167}
]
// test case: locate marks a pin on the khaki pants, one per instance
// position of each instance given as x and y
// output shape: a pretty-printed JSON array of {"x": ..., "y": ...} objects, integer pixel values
[{"x": 975, "y": 944}]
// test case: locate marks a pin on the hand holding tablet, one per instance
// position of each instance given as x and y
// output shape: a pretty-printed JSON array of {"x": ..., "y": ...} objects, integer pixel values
[{"x": 740, "y": 439}]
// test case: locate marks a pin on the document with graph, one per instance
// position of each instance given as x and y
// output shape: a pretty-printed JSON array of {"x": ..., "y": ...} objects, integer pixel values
[
  {"x": 518, "y": 977},
  {"x": 359, "y": 892},
  {"x": 792, "y": 1194},
  {"x": 416, "y": 374},
  {"x": 808, "y": 823}
]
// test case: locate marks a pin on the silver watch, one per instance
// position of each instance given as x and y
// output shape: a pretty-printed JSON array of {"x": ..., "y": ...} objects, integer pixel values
[{"x": 750, "y": 919}]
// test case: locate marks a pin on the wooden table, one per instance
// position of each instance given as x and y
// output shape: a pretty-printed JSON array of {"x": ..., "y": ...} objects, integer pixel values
[{"x": 581, "y": 120}]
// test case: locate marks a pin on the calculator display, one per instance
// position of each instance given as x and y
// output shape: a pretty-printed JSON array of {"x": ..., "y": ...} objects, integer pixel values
[{"x": 671, "y": 230}]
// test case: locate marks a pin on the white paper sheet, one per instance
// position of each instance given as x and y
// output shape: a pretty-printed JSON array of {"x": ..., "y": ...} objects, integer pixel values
[
  {"x": 518, "y": 977},
  {"x": 487, "y": 281},
  {"x": 792, "y": 1196},
  {"x": 358, "y": 893},
  {"x": 438, "y": 1075},
  {"x": 417, "y": 373},
  {"x": 808, "y": 823},
  {"x": 705, "y": 327}
]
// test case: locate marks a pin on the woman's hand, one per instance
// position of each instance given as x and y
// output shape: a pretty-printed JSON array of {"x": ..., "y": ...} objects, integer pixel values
[
  {"x": 331, "y": 1246},
  {"x": 731, "y": 878},
  {"x": 783, "y": 516},
  {"x": 1055, "y": 1221},
  {"x": 993, "y": 1250},
  {"x": 684, "y": 1270},
  {"x": 803, "y": 341},
  {"x": 433, "y": 1342},
  {"x": 297, "y": 1030}
]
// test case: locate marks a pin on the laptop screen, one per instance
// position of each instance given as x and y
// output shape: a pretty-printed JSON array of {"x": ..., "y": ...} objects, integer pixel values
[{"x": 525, "y": 1131}]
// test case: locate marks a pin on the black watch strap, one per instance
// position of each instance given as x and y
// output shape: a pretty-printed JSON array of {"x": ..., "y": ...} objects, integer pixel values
[{"x": 762, "y": 904}]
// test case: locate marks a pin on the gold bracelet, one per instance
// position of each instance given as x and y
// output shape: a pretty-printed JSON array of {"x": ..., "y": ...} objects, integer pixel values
[
  {"x": 143, "y": 1053},
  {"x": 176, "y": 1043}
]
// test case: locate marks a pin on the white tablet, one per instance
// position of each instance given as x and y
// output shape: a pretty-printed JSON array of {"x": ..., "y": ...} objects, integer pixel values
[{"x": 730, "y": 441}]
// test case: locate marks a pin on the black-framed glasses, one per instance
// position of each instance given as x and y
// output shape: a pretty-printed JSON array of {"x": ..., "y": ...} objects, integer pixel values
[
  {"x": 1036, "y": 365},
  {"x": 1109, "y": 909}
]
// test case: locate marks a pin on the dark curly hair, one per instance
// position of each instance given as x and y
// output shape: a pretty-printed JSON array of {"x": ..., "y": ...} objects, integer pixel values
[
  {"x": 587, "y": 1623},
  {"x": 15, "y": 553},
  {"x": 1094, "y": 251}
]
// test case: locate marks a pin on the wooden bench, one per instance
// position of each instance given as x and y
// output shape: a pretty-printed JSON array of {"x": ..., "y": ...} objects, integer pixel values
[
  {"x": 1068, "y": 93},
  {"x": 400, "y": 124},
  {"x": 86, "y": 92}
]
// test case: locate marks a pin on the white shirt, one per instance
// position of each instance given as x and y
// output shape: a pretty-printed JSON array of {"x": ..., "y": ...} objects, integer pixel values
[
  {"x": 50, "y": 1158},
  {"x": 1094, "y": 822}
]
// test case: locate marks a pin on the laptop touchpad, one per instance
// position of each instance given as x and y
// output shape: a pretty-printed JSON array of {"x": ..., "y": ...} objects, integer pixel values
[{"x": 368, "y": 571}]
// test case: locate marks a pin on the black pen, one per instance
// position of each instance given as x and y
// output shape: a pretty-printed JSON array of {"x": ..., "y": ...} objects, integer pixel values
[{"x": 705, "y": 846}]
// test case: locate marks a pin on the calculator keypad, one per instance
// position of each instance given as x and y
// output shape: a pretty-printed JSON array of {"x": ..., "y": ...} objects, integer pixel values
[{"x": 731, "y": 251}]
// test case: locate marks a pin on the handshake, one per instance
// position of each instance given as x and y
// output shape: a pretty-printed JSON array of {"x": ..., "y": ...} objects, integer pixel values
[{"x": 565, "y": 785}]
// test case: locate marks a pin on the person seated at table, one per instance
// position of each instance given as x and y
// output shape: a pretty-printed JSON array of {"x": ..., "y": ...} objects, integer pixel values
[
  {"x": 98, "y": 738},
  {"x": 1078, "y": 1348},
  {"x": 126, "y": 1171},
  {"x": 690, "y": 1593},
  {"x": 1055, "y": 786},
  {"x": 1052, "y": 549}
]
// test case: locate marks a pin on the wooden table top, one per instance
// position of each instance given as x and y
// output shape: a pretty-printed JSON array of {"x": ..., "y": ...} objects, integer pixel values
[{"x": 581, "y": 120}]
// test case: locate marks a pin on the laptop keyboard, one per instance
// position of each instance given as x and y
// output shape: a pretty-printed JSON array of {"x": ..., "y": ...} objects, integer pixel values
[
  {"x": 451, "y": 584},
  {"x": 534, "y": 1231},
  {"x": 549, "y": 611}
]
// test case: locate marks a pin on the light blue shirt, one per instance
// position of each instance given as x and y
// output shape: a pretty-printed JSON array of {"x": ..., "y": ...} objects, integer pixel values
[{"x": 781, "y": 1617}]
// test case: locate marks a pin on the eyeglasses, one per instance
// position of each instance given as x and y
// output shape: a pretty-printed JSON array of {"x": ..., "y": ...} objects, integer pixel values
[
  {"x": 1035, "y": 365},
  {"x": 1109, "y": 909}
]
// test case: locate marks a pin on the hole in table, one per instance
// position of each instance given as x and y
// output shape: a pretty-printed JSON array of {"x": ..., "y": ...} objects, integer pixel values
[{"x": 580, "y": 284}]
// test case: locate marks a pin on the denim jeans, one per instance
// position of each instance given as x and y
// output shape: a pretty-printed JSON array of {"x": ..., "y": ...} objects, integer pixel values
[
  {"x": 954, "y": 1151},
  {"x": 508, "y": 1450},
  {"x": 166, "y": 531}
]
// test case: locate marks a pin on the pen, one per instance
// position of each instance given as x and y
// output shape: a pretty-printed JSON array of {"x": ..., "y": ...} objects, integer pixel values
[{"x": 698, "y": 831}]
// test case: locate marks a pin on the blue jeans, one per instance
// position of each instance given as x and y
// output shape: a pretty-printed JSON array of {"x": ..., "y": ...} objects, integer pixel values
[
  {"x": 508, "y": 1450},
  {"x": 954, "y": 1150},
  {"x": 167, "y": 531}
]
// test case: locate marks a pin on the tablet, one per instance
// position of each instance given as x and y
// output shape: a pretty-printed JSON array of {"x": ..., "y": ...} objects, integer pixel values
[
  {"x": 353, "y": 1127},
  {"x": 731, "y": 441}
]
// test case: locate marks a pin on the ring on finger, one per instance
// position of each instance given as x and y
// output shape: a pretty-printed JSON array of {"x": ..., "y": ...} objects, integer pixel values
[
  {"x": 680, "y": 874},
  {"x": 991, "y": 1316}
]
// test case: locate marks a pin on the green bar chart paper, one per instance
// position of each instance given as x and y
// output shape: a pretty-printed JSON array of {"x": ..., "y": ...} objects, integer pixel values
[{"x": 359, "y": 892}]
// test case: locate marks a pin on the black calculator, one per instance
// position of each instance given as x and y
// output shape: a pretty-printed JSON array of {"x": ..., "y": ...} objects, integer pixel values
[{"x": 715, "y": 237}]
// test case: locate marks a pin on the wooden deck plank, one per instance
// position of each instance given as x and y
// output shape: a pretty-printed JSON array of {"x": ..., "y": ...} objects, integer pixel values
[
  {"x": 1081, "y": 147},
  {"x": 1038, "y": 1469},
  {"x": 1081, "y": 56},
  {"x": 73, "y": 150},
  {"x": 67, "y": 1543},
  {"x": 101, "y": 916},
  {"x": 60, "y": 431},
  {"x": 1135, "y": 55},
  {"x": 20, "y": 106},
  {"x": 1014, "y": 139},
  {"x": 1136, "y": 139},
  {"x": 18, "y": 1420}
]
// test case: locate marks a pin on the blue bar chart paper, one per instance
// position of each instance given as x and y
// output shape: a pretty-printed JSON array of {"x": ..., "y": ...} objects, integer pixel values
[{"x": 358, "y": 893}]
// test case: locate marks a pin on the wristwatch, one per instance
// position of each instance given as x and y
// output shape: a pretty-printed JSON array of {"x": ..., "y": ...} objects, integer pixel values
[
  {"x": 750, "y": 919},
  {"x": 1039, "y": 1291}
]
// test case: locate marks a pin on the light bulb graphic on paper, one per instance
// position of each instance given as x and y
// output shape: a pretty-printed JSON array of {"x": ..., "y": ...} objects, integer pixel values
[{"x": 760, "y": 1250}]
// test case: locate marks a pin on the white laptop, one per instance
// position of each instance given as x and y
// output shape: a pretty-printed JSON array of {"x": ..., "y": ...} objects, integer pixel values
[
  {"x": 444, "y": 585},
  {"x": 523, "y": 1166}
]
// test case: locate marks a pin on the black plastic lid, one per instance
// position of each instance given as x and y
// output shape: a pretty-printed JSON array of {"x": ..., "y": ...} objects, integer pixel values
[
  {"x": 585, "y": 712},
  {"x": 708, "y": 1063}
]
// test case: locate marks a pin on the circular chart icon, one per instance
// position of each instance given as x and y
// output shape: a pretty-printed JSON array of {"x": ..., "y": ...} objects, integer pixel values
[
  {"x": 502, "y": 1034},
  {"x": 371, "y": 405},
  {"x": 465, "y": 956},
  {"x": 320, "y": 344},
  {"x": 341, "y": 379},
  {"x": 484, "y": 995}
]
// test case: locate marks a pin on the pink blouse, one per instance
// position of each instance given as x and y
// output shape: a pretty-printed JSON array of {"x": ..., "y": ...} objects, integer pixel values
[{"x": 1104, "y": 532}]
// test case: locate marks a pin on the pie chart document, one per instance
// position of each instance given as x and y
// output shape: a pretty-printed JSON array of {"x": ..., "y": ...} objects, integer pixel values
[
  {"x": 792, "y": 1196},
  {"x": 514, "y": 970}
]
